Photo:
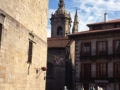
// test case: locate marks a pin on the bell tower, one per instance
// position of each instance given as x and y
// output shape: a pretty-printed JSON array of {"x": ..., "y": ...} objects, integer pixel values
[{"x": 60, "y": 22}]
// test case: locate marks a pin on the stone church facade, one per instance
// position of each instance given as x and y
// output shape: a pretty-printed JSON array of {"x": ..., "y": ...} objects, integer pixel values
[
  {"x": 60, "y": 60},
  {"x": 23, "y": 44}
]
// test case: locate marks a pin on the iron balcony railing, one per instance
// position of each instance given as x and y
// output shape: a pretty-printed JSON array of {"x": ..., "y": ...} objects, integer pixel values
[
  {"x": 94, "y": 57},
  {"x": 96, "y": 75}
]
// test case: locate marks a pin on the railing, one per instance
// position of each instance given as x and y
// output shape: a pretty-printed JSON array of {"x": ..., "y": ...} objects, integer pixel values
[
  {"x": 96, "y": 75},
  {"x": 91, "y": 57}
]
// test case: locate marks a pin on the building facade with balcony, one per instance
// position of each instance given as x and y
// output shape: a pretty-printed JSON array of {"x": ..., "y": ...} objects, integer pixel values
[{"x": 97, "y": 56}]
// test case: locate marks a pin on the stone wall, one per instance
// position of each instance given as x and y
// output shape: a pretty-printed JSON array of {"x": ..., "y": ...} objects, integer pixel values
[
  {"x": 72, "y": 52},
  {"x": 30, "y": 13},
  {"x": 24, "y": 20},
  {"x": 77, "y": 64}
]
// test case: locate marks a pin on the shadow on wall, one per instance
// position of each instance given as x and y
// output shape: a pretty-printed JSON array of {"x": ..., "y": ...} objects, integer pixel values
[{"x": 59, "y": 69}]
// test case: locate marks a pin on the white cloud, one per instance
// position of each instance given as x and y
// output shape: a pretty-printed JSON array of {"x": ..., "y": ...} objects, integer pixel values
[{"x": 90, "y": 11}]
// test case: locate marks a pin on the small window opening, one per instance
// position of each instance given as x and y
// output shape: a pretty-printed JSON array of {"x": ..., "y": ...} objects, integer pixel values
[
  {"x": 30, "y": 52},
  {"x": 0, "y": 33}
]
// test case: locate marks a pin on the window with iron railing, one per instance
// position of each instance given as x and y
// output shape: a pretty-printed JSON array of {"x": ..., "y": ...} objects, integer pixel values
[
  {"x": 102, "y": 48},
  {"x": 86, "y": 49},
  {"x": 116, "y": 47},
  {"x": 117, "y": 69},
  {"x": 85, "y": 70},
  {"x": 102, "y": 70}
]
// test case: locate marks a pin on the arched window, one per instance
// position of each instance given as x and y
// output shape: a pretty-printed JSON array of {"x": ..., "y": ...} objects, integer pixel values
[
  {"x": 50, "y": 69},
  {"x": 59, "y": 30}
]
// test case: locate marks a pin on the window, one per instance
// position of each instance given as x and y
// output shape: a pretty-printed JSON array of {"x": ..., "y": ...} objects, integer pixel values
[
  {"x": 101, "y": 70},
  {"x": 102, "y": 48},
  {"x": 59, "y": 31},
  {"x": 86, "y": 49},
  {"x": 117, "y": 69},
  {"x": 0, "y": 33},
  {"x": 85, "y": 70},
  {"x": 117, "y": 47},
  {"x": 30, "y": 52}
]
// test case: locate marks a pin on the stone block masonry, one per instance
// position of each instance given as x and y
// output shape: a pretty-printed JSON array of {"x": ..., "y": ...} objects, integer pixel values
[
  {"x": 24, "y": 21},
  {"x": 30, "y": 13}
]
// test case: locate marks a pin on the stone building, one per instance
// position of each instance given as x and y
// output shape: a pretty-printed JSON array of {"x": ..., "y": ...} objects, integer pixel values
[
  {"x": 23, "y": 44},
  {"x": 60, "y": 60},
  {"x": 97, "y": 56}
]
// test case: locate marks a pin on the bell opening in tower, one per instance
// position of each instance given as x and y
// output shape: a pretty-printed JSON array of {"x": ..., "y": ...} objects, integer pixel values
[{"x": 59, "y": 31}]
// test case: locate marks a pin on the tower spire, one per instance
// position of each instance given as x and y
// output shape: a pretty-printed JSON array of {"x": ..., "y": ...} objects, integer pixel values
[
  {"x": 76, "y": 13},
  {"x": 76, "y": 16},
  {"x": 75, "y": 25},
  {"x": 61, "y": 8},
  {"x": 61, "y": 4}
]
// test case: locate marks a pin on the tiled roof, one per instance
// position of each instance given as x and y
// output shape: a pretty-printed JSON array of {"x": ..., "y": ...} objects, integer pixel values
[
  {"x": 110, "y": 21},
  {"x": 57, "y": 42},
  {"x": 94, "y": 31}
]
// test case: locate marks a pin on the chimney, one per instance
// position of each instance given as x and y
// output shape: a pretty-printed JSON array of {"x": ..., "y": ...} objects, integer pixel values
[{"x": 105, "y": 17}]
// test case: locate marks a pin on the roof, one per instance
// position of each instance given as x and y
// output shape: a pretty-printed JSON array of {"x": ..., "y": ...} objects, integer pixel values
[
  {"x": 94, "y": 31},
  {"x": 58, "y": 42},
  {"x": 108, "y": 22}
]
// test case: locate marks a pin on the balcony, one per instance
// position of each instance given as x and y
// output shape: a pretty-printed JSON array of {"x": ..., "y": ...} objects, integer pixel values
[
  {"x": 95, "y": 57},
  {"x": 94, "y": 76}
]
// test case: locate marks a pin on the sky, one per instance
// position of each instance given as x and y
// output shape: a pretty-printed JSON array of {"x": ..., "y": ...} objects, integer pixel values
[{"x": 89, "y": 11}]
